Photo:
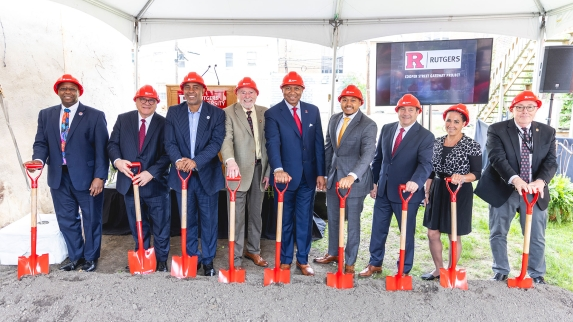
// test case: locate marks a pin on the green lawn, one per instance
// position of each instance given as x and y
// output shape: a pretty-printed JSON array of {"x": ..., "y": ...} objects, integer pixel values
[{"x": 476, "y": 255}]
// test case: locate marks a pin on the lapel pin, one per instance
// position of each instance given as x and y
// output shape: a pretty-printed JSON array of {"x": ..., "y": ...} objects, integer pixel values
[
  {"x": 81, "y": 113},
  {"x": 305, "y": 111},
  {"x": 536, "y": 130},
  {"x": 260, "y": 121},
  {"x": 208, "y": 117},
  {"x": 310, "y": 125}
]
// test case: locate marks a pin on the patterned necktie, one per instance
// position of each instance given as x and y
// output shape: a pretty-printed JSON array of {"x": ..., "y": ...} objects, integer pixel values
[
  {"x": 64, "y": 129},
  {"x": 342, "y": 129},
  {"x": 398, "y": 141},
  {"x": 297, "y": 120},
  {"x": 250, "y": 120},
  {"x": 141, "y": 134},
  {"x": 524, "y": 166}
]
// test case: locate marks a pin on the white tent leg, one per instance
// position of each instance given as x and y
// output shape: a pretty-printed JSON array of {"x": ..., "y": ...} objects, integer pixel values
[
  {"x": 335, "y": 24},
  {"x": 136, "y": 55}
]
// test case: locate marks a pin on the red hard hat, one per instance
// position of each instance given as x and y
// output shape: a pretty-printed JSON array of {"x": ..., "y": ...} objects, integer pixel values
[
  {"x": 67, "y": 78},
  {"x": 525, "y": 96},
  {"x": 146, "y": 91},
  {"x": 409, "y": 100},
  {"x": 460, "y": 108},
  {"x": 193, "y": 77},
  {"x": 353, "y": 91},
  {"x": 292, "y": 78},
  {"x": 247, "y": 82}
]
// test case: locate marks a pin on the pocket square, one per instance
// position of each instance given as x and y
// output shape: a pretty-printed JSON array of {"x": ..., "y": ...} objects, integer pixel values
[{"x": 310, "y": 125}]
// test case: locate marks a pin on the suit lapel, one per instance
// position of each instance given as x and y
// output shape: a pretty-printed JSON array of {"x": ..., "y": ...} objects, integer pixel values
[
  {"x": 332, "y": 129},
  {"x": 389, "y": 138},
  {"x": 204, "y": 119},
  {"x": 184, "y": 119},
  {"x": 353, "y": 123},
  {"x": 153, "y": 125},
  {"x": 304, "y": 119},
  {"x": 261, "y": 126},
  {"x": 78, "y": 117},
  {"x": 285, "y": 112},
  {"x": 242, "y": 117},
  {"x": 407, "y": 138},
  {"x": 535, "y": 136},
  {"x": 514, "y": 137},
  {"x": 55, "y": 122}
]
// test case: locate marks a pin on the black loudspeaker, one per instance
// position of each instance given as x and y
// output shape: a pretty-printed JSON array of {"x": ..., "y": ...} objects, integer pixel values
[{"x": 557, "y": 70}]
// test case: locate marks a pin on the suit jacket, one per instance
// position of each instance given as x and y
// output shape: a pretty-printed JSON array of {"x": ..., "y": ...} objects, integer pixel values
[
  {"x": 210, "y": 135},
  {"x": 124, "y": 144},
  {"x": 239, "y": 143},
  {"x": 504, "y": 152},
  {"x": 411, "y": 162},
  {"x": 86, "y": 153},
  {"x": 354, "y": 154},
  {"x": 287, "y": 149}
]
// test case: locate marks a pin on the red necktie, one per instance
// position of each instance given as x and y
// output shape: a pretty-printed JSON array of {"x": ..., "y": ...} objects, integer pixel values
[
  {"x": 141, "y": 134},
  {"x": 398, "y": 141},
  {"x": 297, "y": 120}
]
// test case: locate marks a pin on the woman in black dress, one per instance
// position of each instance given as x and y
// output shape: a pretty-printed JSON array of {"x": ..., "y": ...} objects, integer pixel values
[{"x": 459, "y": 157}]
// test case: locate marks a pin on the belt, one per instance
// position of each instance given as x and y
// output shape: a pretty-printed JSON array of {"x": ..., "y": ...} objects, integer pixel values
[
  {"x": 439, "y": 175},
  {"x": 64, "y": 168}
]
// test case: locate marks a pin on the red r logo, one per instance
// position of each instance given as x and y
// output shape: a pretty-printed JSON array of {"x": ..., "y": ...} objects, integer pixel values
[{"x": 413, "y": 60}]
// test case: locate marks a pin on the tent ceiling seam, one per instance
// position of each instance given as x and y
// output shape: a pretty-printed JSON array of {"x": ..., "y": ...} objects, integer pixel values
[
  {"x": 540, "y": 7},
  {"x": 109, "y": 9},
  {"x": 237, "y": 21},
  {"x": 144, "y": 9},
  {"x": 439, "y": 18},
  {"x": 559, "y": 10}
]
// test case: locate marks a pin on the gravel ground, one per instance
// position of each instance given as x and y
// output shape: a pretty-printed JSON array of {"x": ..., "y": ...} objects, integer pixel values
[{"x": 112, "y": 294}]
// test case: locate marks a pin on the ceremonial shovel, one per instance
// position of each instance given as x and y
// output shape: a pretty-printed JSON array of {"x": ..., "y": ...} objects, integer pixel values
[
  {"x": 140, "y": 261},
  {"x": 278, "y": 275},
  {"x": 521, "y": 281},
  {"x": 34, "y": 264},
  {"x": 340, "y": 279},
  {"x": 183, "y": 266},
  {"x": 452, "y": 277},
  {"x": 233, "y": 275},
  {"x": 400, "y": 281}
]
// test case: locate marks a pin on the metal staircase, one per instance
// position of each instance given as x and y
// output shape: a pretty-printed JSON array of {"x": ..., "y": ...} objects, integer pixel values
[{"x": 513, "y": 74}]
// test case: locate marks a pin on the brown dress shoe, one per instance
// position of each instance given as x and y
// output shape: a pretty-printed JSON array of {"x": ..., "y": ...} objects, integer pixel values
[
  {"x": 257, "y": 259},
  {"x": 349, "y": 269},
  {"x": 285, "y": 266},
  {"x": 305, "y": 269},
  {"x": 326, "y": 259},
  {"x": 369, "y": 270}
]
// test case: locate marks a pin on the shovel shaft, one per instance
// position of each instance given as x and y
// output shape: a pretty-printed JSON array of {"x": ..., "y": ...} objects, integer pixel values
[
  {"x": 403, "y": 225},
  {"x": 340, "y": 259},
  {"x": 279, "y": 222},
  {"x": 33, "y": 241},
  {"x": 232, "y": 221},
  {"x": 231, "y": 255},
  {"x": 34, "y": 207},
  {"x": 454, "y": 260},
  {"x": 401, "y": 263},
  {"x": 278, "y": 254},
  {"x": 184, "y": 243}
]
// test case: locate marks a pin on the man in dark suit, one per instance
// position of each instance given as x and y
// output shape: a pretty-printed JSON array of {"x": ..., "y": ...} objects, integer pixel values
[
  {"x": 71, "y": 139},
  {"x": 138, "y": 136},
  {"x": 245, "y": 155},
  {"x": 403, "y": 156},
  {"x": 194, "y": 133},
  {"x": 522, "y": 157},
  {"x": 295, "y": 147},
  {"x": 350, "y": 146}
]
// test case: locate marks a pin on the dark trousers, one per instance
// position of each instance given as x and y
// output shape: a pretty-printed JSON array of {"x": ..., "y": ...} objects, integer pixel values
[
  {"x": 297, "y": 221},
  {"x": 382, "y": 216},
  {"x": 67, "y": 200},
  {"x": 201, "y": 206},
  {"x": 156, "y": 218}
]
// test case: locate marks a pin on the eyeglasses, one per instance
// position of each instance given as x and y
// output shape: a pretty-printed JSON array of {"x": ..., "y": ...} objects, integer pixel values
[
  {"x": 529, "y": 108},
  {"x": 296, "y": 89},
  {"x": 67, "y": 89},
  {"x": 144, "y": 100}
]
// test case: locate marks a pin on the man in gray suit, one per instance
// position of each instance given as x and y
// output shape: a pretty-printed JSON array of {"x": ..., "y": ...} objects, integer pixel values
[
  {"x": 245, "y": 155},
  {"x": 350, "y": 147}
]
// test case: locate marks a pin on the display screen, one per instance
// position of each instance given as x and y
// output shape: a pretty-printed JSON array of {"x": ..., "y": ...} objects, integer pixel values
[{"x": 436, "y": 72}]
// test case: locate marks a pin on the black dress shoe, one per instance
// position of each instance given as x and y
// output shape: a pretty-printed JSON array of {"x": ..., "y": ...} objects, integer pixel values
[
  {"x": 198, "y": 265},
  {"x": 89, "y": 266},
  {"x": 209, "y": 271},
  {"x": 430, "y": 277},
  {"x": 499, "y": 277},
  {"x": 539, "y": 280},
  {"x": 161, "y": 267},
  {"x": 73, "y": 265}
]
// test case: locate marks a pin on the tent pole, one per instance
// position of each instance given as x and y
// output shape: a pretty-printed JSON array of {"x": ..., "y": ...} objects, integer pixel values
[
  {"x": 334, "y": 23},
  {"x": 540, "y": 44},
  {"x": 136, "y": 55}
]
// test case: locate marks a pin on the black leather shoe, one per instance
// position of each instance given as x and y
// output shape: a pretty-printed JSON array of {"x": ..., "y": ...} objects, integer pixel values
[
  {"x": 430, "y": 277},
  {"x": 539, "y": 280},
  {"x": 209, "y": 271},
  {"x": 499, "y": 277},
  {"x": 198, "y": 265},
  {"x": 161, "y": 267},
  {"x": 73, "y": 265},
  {"x": 89, "y": 266}
]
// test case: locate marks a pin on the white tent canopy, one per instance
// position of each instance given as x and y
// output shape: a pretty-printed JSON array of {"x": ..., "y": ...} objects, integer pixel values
[{"x": 330, "y": 23}]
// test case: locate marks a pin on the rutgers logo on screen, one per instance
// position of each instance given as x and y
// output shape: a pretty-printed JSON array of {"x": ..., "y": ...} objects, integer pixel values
[{"x": 433, "y": 59}]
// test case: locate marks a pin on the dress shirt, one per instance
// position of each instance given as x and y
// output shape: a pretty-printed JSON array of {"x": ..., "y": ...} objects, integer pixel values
[
  {"x": 193, "y": 122},
  {"x": 406, "y": 129},
  {"x": 339, "y": 127}
]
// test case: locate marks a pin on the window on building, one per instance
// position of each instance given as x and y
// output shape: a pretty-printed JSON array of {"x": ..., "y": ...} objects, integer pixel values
[
  {"x": 251, "y": 58},
  {"x": 229, "y": 59},
  {"x": 339, "y": 65},
  {"x": 326, "y": 65}
]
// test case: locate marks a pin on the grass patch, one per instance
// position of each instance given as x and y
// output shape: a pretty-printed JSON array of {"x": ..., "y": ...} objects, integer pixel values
[{"x": 476, "y": 255}]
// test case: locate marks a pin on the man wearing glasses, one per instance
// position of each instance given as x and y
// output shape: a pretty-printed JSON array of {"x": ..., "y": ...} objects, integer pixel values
[
  {"x": 522, "y": 157},
  {"x": 71, "y": 139},
  {"x": 137, "y": 136}
]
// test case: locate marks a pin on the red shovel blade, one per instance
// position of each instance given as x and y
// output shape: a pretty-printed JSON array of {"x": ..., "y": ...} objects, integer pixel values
[
  {"x": 276, "y": 275},
  {"x": 399, "y": 283},
  {"x": 453, "y": 278},
  {"x": 142, "y": 262},
  {"x": 33, "y": 265},
  {"x": 184, "y": 266},
  {"x": 340, "y": 280},
  {"x": 232, "y": 275},
  {"x": 520, "y": 282}
]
